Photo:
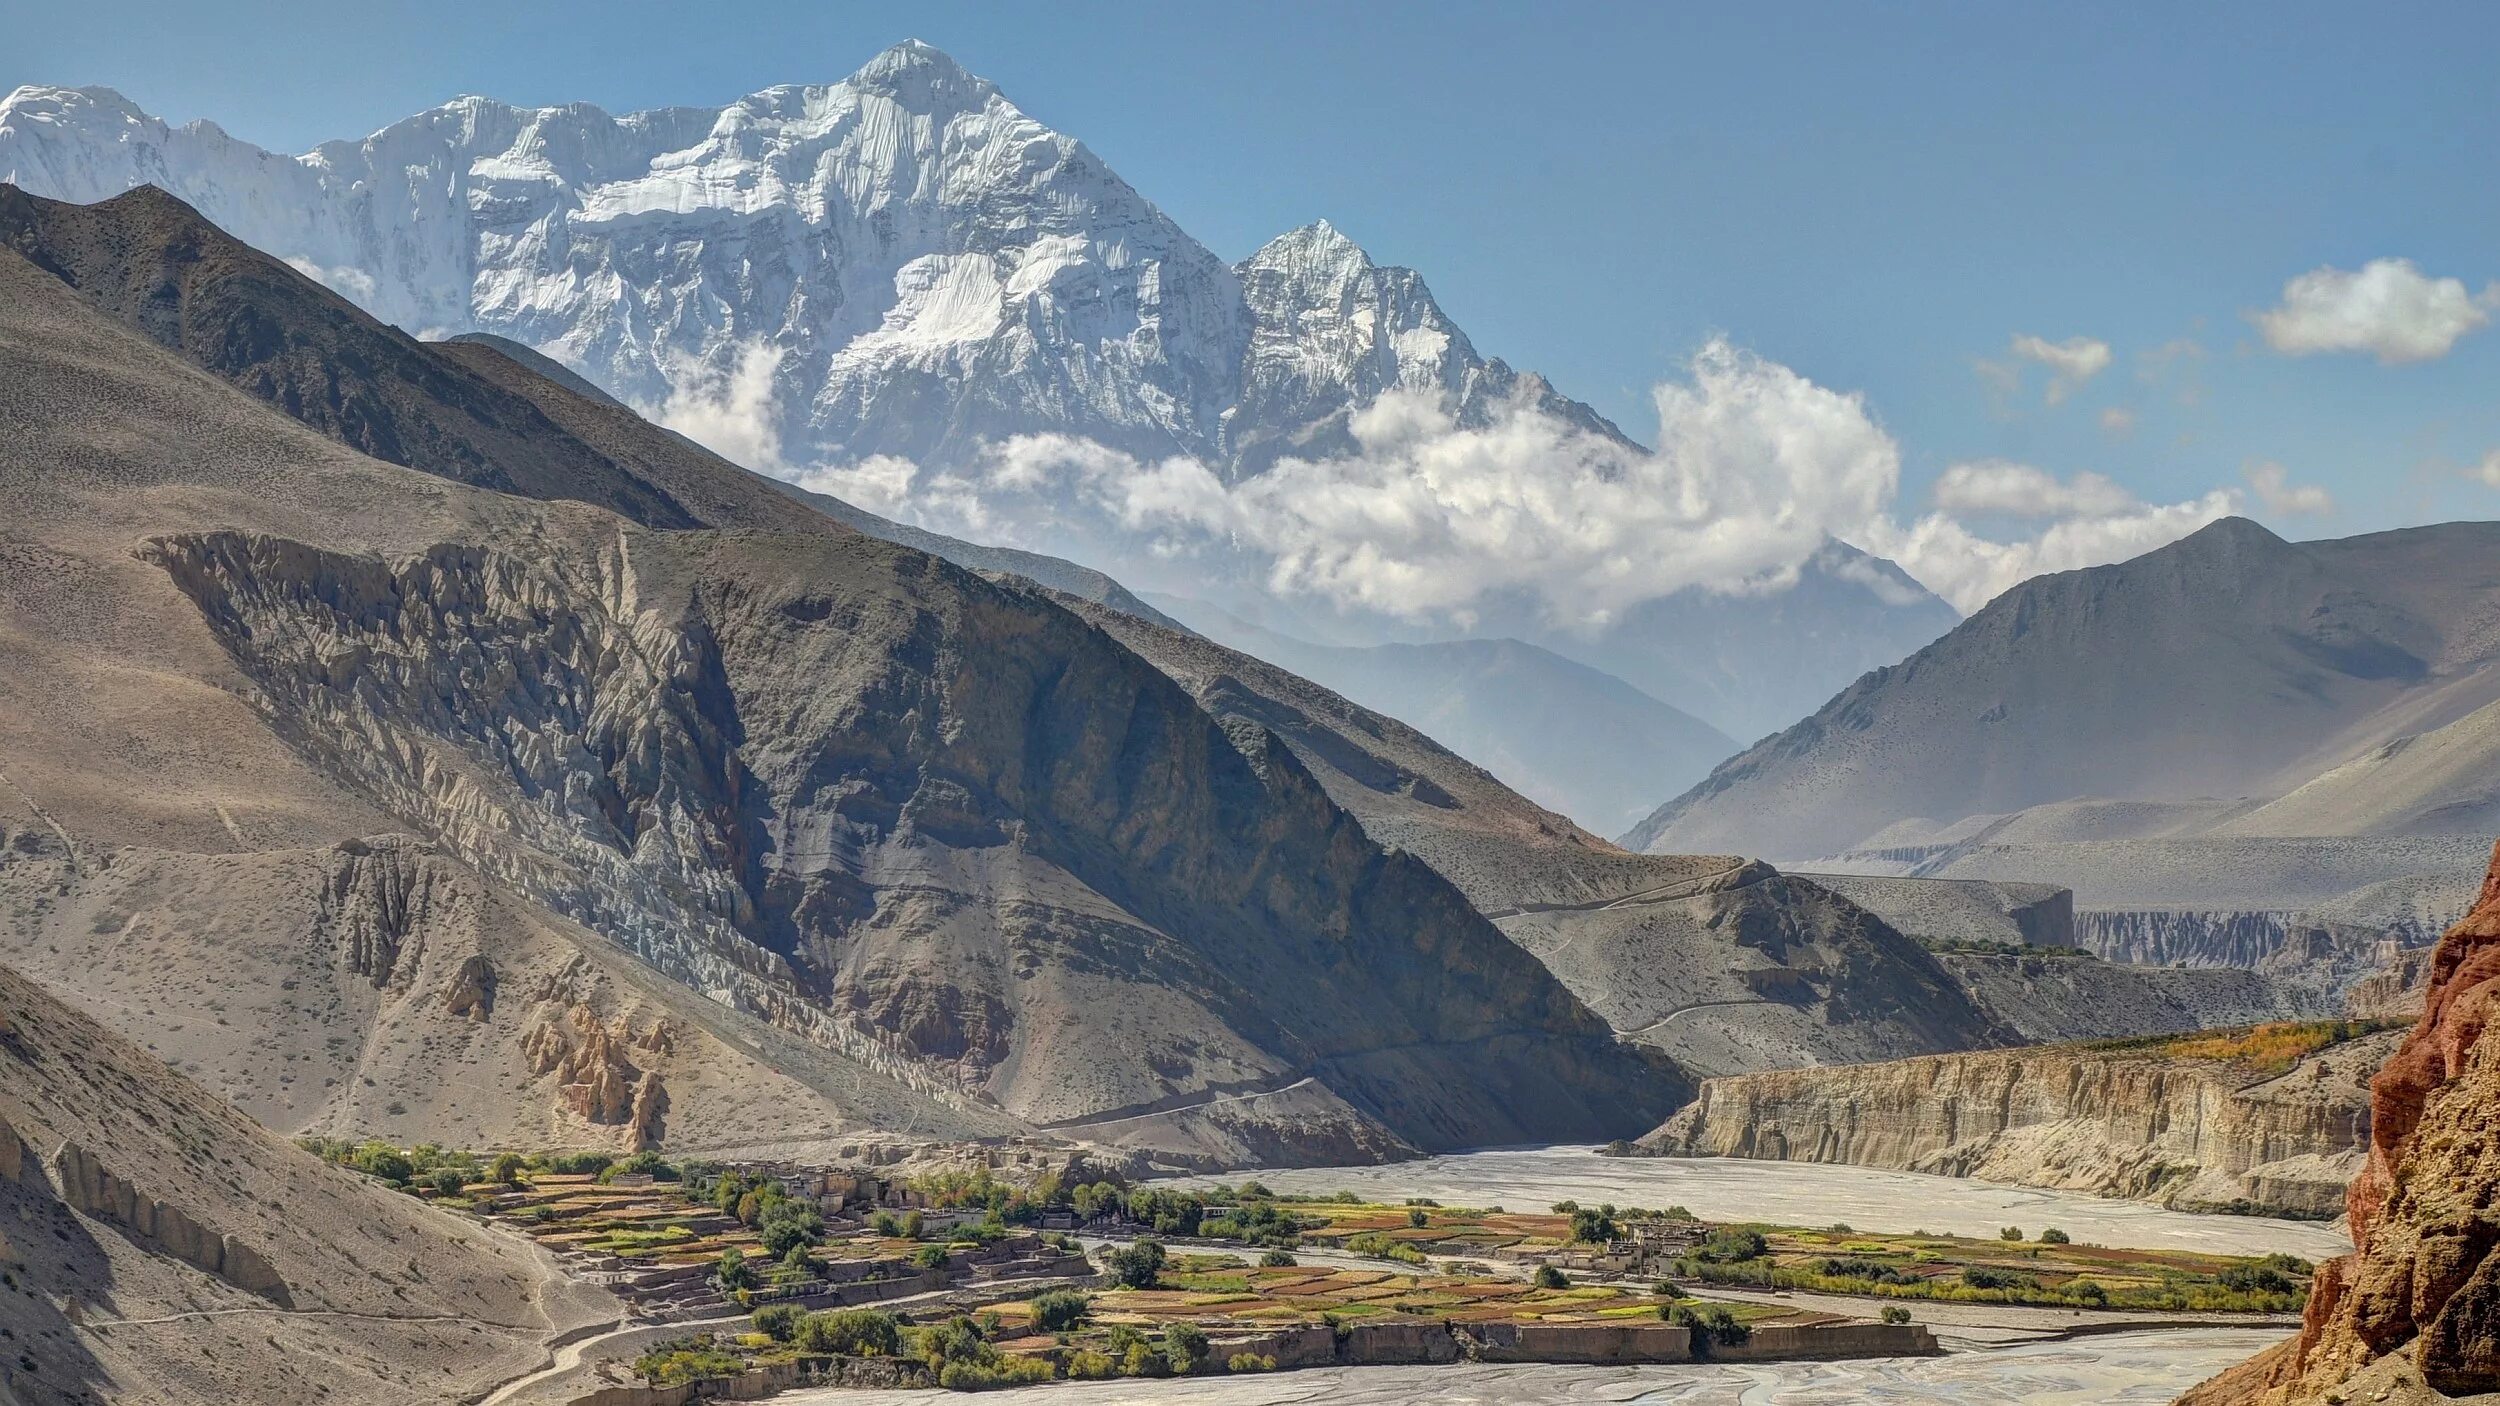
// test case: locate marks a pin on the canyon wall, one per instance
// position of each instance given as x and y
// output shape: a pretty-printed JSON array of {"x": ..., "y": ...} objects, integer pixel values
[
  {"x": 2188, "y": 1133},
  {"x": 2413, "y": 1315}
]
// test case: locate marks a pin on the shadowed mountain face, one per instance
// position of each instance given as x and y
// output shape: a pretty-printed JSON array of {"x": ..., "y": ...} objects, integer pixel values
[
  {"x": 939, "y": 830},
  {"x": 2229, "y": 664},
  {"x": 1721, "y": 963}
]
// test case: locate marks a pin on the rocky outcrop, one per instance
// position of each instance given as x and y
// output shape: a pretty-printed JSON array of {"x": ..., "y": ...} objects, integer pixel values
[
  {"x": 2395, "y": 990},
  {"x": 2415, "y": 1310},
  {"x": 472, "y": 988},
  {"x": 87, "y": 1186},
  {"x": 2049, "y": 998},
  {"x": 2190, "y": 1133},
  {"x": 597, "y": 1078}
]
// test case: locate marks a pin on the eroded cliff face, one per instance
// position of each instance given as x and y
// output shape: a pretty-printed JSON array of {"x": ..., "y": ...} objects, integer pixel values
[
  {"x": 2194, "y": 1134},
  {"x": 2413, "y": 1315}
]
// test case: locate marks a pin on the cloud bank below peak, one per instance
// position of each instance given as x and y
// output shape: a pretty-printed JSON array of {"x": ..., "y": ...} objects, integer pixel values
[{"x": 1431, "y": 519}]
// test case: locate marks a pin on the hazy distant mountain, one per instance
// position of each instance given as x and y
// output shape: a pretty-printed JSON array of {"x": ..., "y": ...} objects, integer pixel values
[
  {"x": 1566, "y": 736},
  {"x": 2229, "y": 664},
  {"x": 1754, "y": 663}
]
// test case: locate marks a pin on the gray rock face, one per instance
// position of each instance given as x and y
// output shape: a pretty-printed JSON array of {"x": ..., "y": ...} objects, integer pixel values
[{"x": 734, "y": 774}]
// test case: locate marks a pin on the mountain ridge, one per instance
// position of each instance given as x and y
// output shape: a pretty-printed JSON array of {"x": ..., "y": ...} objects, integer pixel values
[
  {"x": 2266, "y": 661},
  {"x": 915, "y": 818}
]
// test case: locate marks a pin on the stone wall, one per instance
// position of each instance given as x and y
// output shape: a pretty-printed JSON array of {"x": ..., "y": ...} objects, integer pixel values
[
  {"x": 1602, "y": 1343},
  {"x": 1787, "y": 1343}
]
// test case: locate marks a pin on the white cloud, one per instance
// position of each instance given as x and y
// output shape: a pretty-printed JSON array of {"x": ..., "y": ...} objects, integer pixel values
[
  {"x": 2118, "y": 420},
  {"x": 733, "y": 412},
  {"x": 346, "y": 280},
  {"x": 1970, "y": 570},
  {"x": 2390, "y": 308},
  {"x": 2071, "y": 362},
  {"x": 2488, "y": 470},
  {"x": 2280, "y": 496},
  {"x": 1756, "y": 468},
  {"x": 1999, "y": 487}
]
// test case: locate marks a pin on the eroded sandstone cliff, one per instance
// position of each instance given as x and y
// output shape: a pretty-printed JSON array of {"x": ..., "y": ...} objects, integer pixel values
[
  {"x": 2185, "y": 1132},
  {"x": 2413, "y": 1315}
]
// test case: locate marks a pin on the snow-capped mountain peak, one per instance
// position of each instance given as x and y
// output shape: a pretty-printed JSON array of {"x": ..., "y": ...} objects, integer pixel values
[{"x": 920, "y": 267}]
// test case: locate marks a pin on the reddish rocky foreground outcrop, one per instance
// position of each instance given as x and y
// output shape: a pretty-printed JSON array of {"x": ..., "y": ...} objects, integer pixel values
[{"x": 2414, "y": 1312}]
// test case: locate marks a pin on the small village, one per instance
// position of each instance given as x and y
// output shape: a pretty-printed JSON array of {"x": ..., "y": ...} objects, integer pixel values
[{"x": 1018, "y": 1264}]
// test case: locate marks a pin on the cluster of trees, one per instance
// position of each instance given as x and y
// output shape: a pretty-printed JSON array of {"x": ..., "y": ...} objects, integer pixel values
[
  {"x": 1733, "y": 1244},
  {"x": 788, "y": 1227},
  {"x": 2267, "y": 1276},
  {"x": 1135, "y": 1266},
  {"x": 1708, "y": 1324},
  {"x": 1594, "y": 1227},
  {"x": 1126, "y": 1352},
  {"x": 424, "y": 1167},
  {"x": 851, "y": 1332},
  {"x": 450, "y": 1172},
  {"x": 1872, "y": 1271}
]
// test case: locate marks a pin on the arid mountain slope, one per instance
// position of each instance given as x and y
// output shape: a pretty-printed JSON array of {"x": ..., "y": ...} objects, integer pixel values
[
  {"x": 2439, "y": 782},
  {"x": 2229, "y": 664},
  {"x": 2413, "y": 1316},
  {"x": 938, "y": 827},
  {"x": 159, "y": 1246},
  {"x": 1721, "y": 963}
]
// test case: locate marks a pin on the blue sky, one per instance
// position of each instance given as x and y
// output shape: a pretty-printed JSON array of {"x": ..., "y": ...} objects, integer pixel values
[{"x": 1879, "y": 197}]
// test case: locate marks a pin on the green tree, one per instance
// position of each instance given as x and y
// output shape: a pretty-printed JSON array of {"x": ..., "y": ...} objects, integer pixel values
[
  {"x": 780, "y": 1321},
  {"x": 1136, "y": 1266},
  {"x": 2055, "y": 1236},
  {"x": 1732, "y": 1245},
  {"x": 733, "y": 1272},
  {"x": 789, "y": 1225},
  {"x": 382, "y": 1160},
  {"x": 852, "y": 1332},
  {"x": 2011, "y": 1232},
  {"x": 1277, "y": 1259},
  {"x": 1417, "y": 1220},
  {"x": 1592, "y": 1227},
  {"x": 1061, "y": 1311},
  {"x": 506, "y": 1169},
  {"x": 1184, "y": 1346},
  {"x": 448, "y": 1181},
  {"x": 1548, "y": 1277}
]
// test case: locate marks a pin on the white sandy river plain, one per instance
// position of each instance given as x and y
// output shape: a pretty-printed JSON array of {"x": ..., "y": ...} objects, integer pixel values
[
  {"x": 1802, "y": 1193},
  {"x": 2133, "y": 1369}
]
